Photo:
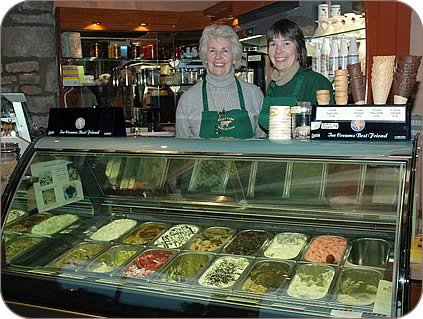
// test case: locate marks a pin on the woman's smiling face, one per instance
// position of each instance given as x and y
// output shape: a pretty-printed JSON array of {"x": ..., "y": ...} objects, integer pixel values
[
  {"x": 282, "y": 53},
  {"x": 219, "y": 56}
]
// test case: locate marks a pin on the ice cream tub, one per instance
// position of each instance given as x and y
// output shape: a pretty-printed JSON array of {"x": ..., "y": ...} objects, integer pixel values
[
  {"x": 54, "y": 224},
  {"x": 144, "y": 233},
  {"x": 114, "y": 230},
  {"x": 77, "y": 256},
  {"x": 25, "y": 224},
  {"x": 209, "y": 177},
  {"x": 177, "y": 236},
  {"x": 224, "y": 272},
  {"x": 112, "y": 259},
  {"x": 211, "y": 239},
  {"x": 325, "y": 249},
  {"x": 248, "y": 242},
  {"x": 287, "y": 245},
  {"x": 265, "y": 277},
  {"x": 184, "y": 268},
  {"x": 18, "y": 246},
  {"x": 146, "y": 264},
  {"x": 311, "y": 281},
  {"x": 357, "y": 287},
  {"x": 15, "y": 214},
  {"x": 371, "y": 252}
]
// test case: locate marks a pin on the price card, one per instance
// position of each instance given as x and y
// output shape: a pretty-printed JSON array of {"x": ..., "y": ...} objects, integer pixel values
[
  {"x": 345, "y": 314},
  {"x": 375, "y": 113},
  {"x": 383, "y": 302}
]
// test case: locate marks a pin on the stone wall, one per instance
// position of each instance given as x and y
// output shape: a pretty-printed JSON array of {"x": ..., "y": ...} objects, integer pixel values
[{"x": 28, "y": 57}]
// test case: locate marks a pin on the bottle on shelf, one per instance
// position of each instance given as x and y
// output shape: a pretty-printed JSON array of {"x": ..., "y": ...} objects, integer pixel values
[
  {"x": 362, "y": 54},
  {"x": 343, "y": 54},
  {"x": 353, "y": 51},
  {"x": 316, "y": 62},
  {"x": 324, "y": 58},
  {"x": 333, "y": 59}
]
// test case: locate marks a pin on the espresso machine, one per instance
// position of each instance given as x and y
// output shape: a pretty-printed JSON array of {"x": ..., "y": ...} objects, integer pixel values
[{"x": 136, "y": 83}]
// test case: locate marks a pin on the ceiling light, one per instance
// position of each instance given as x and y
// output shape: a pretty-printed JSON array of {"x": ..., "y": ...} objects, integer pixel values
[
  {"x": 251, "y": 37},
  {"x": 143, "y": 24}
]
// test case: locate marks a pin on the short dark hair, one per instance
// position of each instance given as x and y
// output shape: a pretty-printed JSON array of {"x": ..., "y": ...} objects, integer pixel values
[{"x": 289, "y": 30}]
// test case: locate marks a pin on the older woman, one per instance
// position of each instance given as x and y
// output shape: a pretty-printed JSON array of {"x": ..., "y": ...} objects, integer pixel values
[
  {"x": 221, "y": 105},
  {"x": 291, "y": 82}
]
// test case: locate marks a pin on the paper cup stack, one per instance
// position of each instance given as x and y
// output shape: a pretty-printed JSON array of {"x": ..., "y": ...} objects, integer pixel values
[
  {"x": 405, "y": 77},
  {"x": 358, "y": 83},
  {"x": 382, "y": 76},
  {"x": 323, "y": 97},
  {"x": 341, "y": 87},
  {"x": 280, "y": 122}
]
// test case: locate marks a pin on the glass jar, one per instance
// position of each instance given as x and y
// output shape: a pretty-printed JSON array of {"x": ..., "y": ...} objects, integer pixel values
[
  {"x": 114, "y": 51},
  {"x": 301, "y": 120}
]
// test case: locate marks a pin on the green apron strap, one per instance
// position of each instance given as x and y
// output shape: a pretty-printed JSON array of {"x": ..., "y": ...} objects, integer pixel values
[
  {"x": 299, "y": 84},
  {"x": 240, "y": 95},
  {"x": 205, "y": 100},
  {"x": 270, "y": 88}
]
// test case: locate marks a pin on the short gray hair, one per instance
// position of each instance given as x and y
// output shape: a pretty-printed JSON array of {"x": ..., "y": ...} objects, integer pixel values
[{"x": 221, "y": 31}]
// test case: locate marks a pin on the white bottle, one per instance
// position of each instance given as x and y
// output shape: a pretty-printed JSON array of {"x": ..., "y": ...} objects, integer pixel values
[
  {"x": 343, "y": 54},
  {"x": 362, "y": 54},
  {"x": 333, "y": 59},
  {"x": 316, "y": 57},
  {"x": 353, "y": 51},
  {"x": 324, "y": 58}
]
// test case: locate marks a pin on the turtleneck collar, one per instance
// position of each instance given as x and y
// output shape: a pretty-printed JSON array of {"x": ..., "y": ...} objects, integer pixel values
[
  {"x": 221, "y": 81},
  {"x": 282, "y": 77}
]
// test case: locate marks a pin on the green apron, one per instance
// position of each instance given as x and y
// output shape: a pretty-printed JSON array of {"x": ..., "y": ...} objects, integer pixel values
[
  {"x": 270, "y": 100},
  {"x": 233, "y": 123}
]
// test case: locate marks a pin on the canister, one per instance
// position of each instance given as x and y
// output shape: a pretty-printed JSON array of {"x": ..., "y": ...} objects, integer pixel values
[
  {"x": 135, "y": 50},
  {"x": 335, "y": 10},
  {"x": 301, "y": 120},
  {"x": 96, "y": 51},
  {"x": 323, "y": 11},
  {"x": 150, "y": 51},
  {"x": 114, "y": 51}
]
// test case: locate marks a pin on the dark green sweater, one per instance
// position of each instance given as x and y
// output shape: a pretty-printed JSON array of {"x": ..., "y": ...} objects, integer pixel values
[{"x": 312, "y": 82}]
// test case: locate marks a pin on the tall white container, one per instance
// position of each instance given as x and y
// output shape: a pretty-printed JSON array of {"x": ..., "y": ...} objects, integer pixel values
[
  {"x": 343, "y": 54},
  {"x": 333, "y": 59},
  {"x": 353, "y": 51},
  {"x": 324, "y": 58},
  {"x": 362, "y": 54},
  {"x": 316, "y": 63}
]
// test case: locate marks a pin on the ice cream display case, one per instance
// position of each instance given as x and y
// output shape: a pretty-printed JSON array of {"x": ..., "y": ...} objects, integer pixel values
[{"x": 210, "y": 228}]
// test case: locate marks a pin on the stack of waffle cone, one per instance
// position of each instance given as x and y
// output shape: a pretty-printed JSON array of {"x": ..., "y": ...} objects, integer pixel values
[
  {"x": 382, "y": 76},
  {"x": 358, "y": 84},
  {"x": 341, "y": 87},
  {"x": 405, "y": 77}
]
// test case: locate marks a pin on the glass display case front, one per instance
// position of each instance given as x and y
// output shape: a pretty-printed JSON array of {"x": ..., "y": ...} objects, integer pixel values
[{"x": 234, "y": 228}]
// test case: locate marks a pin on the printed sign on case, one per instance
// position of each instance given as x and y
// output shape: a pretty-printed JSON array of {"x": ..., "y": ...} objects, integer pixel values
[{"x": 58, "y": 184}]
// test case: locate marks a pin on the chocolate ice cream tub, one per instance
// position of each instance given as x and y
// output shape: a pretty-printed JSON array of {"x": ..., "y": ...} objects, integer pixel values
[
  {"x": 248, "y": 242},
  {"x": 19, "y": 246},
  {"x": 368, "y": 252},
  {"x": 25, "y": 224},
  {"x": 211, "y": 239},
  {"x": 112, "y": 258},
  {"x": 184, "y": 268},
  {"x": 265, "y": 277},
  {"x": 145, "y": 233},
  {"x": 357, "y": 287},
  {"x": 78, "y": 256}
]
